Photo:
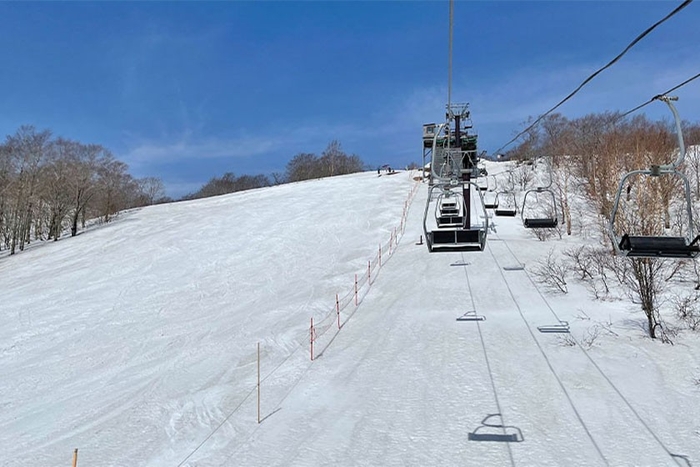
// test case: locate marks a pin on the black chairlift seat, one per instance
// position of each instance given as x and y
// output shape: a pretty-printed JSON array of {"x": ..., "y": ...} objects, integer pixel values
[
  {"x": 659, "y": 247},
  {"x": 450, "y": 221},
  {"x": 457, "y": 239},
  {"x": 493, "y": 203},
  {"x": 505, "y": 212},
  {"x": 449, "y": 212},
  {"x": 546, "y": 223}
]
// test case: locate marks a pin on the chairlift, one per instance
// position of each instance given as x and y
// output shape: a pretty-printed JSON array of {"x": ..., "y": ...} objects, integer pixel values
[
  {"x": 658, "y": 246},
  {"x": 450, "y": 231},
  {"x": 509, "y": 206},
  {"x": 491, "y": 201},
  {"x": 537, "y": 214}
]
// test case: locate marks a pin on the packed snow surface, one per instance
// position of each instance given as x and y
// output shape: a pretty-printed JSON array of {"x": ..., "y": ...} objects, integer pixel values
[{"x": 137, "y": 342}]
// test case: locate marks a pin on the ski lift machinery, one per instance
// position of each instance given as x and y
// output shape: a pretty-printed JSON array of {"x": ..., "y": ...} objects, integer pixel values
[
  {"x": 540, "y": 221},
  {"x": 452, "y": 166},
  {"x": 658, "y": 246}
]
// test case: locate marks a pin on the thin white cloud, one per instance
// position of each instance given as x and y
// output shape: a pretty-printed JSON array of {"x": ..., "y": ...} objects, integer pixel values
[
  {"x": 254, "y": 142},
  {"x": 152, "y": 152}
]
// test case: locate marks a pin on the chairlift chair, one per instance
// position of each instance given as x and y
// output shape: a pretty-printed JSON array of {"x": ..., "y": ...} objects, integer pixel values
[
  {"x": 509, "y": 206},
  {"x": 449, "y": 213},
  {"x": 451, "y": 232},
  {"x": 658, "y": 246},
  {"x": 539, "y": 220},
  {"x": 491, "y": 202},
  {"x": 533, "y": 215}
]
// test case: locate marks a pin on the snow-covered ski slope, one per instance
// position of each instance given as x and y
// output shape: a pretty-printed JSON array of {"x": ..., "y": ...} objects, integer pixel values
[{"x": 136, "y": 342}]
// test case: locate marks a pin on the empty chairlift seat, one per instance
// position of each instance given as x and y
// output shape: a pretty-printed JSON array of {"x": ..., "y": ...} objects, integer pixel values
[
  {"x": 449, "y": 212},
  {"x": 543, "y": 223},
  {"x": 659, "y": 247},
  {"x": 536, "y": 220},
  {"x": 509, "y": 212},
  {"x": 450, "y": 221},
  {"x": 457, "y": 239},
  {"x": 508, "y": 206},
  {"x": 491, "y": 202},
  {"x": 449, "y": 215}
]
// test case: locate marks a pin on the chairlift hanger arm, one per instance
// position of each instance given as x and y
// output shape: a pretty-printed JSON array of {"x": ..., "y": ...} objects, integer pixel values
[
  {"x": 547, "y": 187},
  {"x": 616, "y": 203},
  {"x": 679, "y": 133}
]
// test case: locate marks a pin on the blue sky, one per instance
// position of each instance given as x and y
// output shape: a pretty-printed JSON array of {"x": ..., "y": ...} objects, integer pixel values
[{"x": 186, "y": 91}]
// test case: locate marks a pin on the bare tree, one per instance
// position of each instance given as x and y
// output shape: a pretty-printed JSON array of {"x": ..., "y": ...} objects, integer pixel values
[
  {"x": 332, "y": 158},
  {"x": 48, "y": 184},
  {"x": 303, "y": 166},
  {"x": 26, "y": 149},
  {"x": 333, "y": 161},
  {"x": 115, "y": 187},
  {"x": 229, "y": 183},
  {"x": 84, "y": 161},
  {"x": 55, "y": 190}
]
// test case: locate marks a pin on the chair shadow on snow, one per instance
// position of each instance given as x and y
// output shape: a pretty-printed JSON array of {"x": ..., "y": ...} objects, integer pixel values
[
  {"x": 471, "y": 315},
  {"x": 495, "y": 430}
]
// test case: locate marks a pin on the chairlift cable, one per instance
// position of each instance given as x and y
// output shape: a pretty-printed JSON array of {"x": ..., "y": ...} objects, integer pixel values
[
  {"x": 662, "y": 94},
  {"x": 449, "y": 66},
  {"x": 587, "y": 80}
]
